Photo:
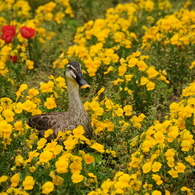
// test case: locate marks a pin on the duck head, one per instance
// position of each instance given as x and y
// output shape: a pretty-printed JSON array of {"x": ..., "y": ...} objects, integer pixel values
[{"x": 74, "y": 75}]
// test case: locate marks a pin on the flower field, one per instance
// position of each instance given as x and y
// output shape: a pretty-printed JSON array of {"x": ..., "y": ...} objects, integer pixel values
[{"x": 139, "y": 59}]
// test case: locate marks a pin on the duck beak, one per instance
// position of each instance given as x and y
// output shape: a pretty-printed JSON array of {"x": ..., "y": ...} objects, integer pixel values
[{"x": 80, "y": 80}]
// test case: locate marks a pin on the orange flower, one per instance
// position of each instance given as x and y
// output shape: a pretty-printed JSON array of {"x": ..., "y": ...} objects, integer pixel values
[
  {"x": 15, "y": 179},
  {"x": 47, "y": 187},
  {"x": 28, "y": 183},
  {"x": 88, "y": 159}
]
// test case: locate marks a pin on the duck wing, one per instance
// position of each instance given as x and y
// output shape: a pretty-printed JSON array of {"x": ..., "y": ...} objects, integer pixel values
[{"x": 51, "y": 120}]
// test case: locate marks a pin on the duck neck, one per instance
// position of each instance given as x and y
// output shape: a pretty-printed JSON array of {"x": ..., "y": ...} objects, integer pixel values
[
  {"x": 76, "y": 111},
  {"x": 75, "y": 104}
]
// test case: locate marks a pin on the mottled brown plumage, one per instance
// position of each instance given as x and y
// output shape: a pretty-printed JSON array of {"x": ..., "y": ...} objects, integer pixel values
[{"x": 76, "y": 114}]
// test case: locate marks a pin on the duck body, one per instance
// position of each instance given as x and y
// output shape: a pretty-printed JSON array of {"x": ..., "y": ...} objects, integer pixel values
[{"x": 76, "y": 114}]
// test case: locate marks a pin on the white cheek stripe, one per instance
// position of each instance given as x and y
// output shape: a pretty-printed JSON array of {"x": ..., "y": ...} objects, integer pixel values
[
  {"x": 68, "y": 65},
  {"x": 72, "y": 74}
]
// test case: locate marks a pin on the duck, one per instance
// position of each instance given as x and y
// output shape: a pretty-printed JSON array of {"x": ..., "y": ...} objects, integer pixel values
[{"x": 75, "y": 115}]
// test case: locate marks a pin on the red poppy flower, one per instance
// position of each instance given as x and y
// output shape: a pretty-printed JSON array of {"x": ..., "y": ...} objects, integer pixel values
[
  {"x": 9, "y": 29},
  {"x": 13, "y": 59},
  {"x": 27, "y": 33},
  {"x": 7, "y": 37},
  {"x": 9, "y": 32}
]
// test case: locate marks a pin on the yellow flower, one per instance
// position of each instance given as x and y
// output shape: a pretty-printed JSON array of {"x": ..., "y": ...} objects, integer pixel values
[
  {"x": 76, "y": 167},
  {"x": 180, "y": 168},
  {"x": 78, "y": 132},
  {"x": 170, "y": 162},
  {"x": 150, "y": 86},
  {"x": 99, "y": 111},
  {"x": 188, "y": 190},
  {"x": 132, "y": 62},
  {"x": 166, "y": 24},
  {"x": 20, "y": 90},
  {"x": 119, "y": 36},
  {"x": 62, "y": 165},
  {"x": 173, "y": 173},
  {"x": 98, "y": 147},
  {"x": 152, "y": 72},
  {"x": 94, "y": 105},
  {"x": 48, "y": 133},
  {"x": 141, "y": 65},
  {"x": 122, "y": 70},
  {"x": 5, "y": 128},
  {"x": 92, "y": 175},
  {"x": 149, "y": 6},
  {"x": 144, "y": 81},
  {"x": 185, "y": 40},
  {"x": 57, "y": 180},
  {"x": 32, "y": 169},
  {"x": 45, "y": 156},
  {"x": 3, "y": 178},
  {"x": 61, "y": 82},
  {"x": 159, "y": 137},
  {"x": 156, "y": 166},
  {"x": 186, "y": 145},
  {"x": 30, "y": 64},
  {"x": 157, "y": 179},
  {"x": 88, "y": 159},
  {"x": 70, "y": 143},
  {"x": 48, "y": 16},
  {"x": 167, "y": 192},
  {"x": 190, "y": 160},
  {"x": 8, "y": 114},
  {"x": 174, "y": 132},
  {"x": 117, "y": 81},
  {"x": 128, "y": 110},
  {"x": 31, "y": 155},
  {"x": 19, "y": 160},
  {"x": 109, "y": 69},
  {"x": 192, "y": 65},
  {"x": 119, "y": 112},
  {"x": 156, "y": 192},
  {"x": 18, "y": 125},
  {"x": 33, "y": 92},
  {"x": 109, "y": 104},
  {"x": 58, "y": 17},
  {"x": 147, "y": 167},
  {"x": 57, "y": 149},
  {"x": 174, "y": 39},
  {"x": 15, "y": 179},
  {"x": 41, "y": 143},
  {"x": 50, "y": 103},
  {"x": 29, "y": 106},
  {"x": 146, "y": 145},
  {"x": 76, "y": 178},
  {"x": 47, "y": 187},
  {"x": 124, "y": 179},
  {"x": 47, "y": 87},
  {"x": 18, "y": 108},
  {"x": 136, "y": 184},
  {"x": 148, "y": 187},
  {"x": 28, "y": 183},
  {"x": 170, "y": 153},
  {"x": 6, "y": 103},
  {"x": 128, "y": 77}
]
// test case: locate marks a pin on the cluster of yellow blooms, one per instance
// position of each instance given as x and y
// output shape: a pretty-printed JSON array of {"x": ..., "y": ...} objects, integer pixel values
[
  {"x": 164, "y": 151},
  {"x": 45, "y": 153},
  {"x": 175, "y": 29}
]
